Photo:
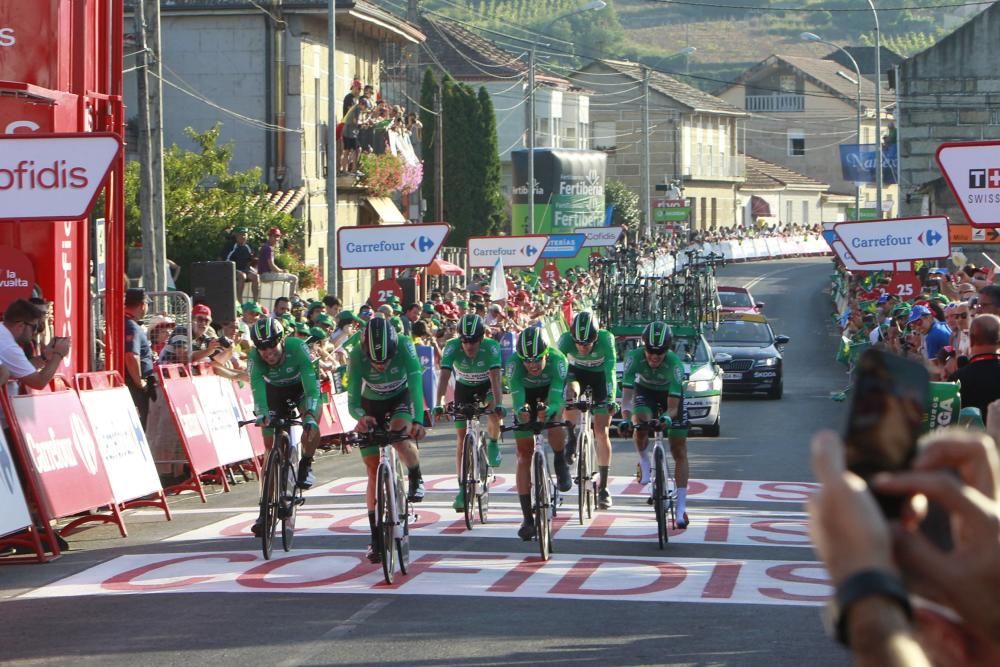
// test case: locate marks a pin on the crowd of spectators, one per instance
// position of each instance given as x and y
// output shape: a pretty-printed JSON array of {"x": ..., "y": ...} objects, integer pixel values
[
  {"x": 902, "y": 597},
  {"x": 369, "y": 124}
]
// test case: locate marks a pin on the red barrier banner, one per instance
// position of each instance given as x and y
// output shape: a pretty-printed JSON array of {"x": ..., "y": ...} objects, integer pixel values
[
  {"x": 13, "y": 508},
  {"x": 186, "y": 412},
  {"x": 62, "y": 452},
  {"x": 122, "y": 443},
  {"x": 221, "y": 411},
  {"x": 244, "y": 399}
]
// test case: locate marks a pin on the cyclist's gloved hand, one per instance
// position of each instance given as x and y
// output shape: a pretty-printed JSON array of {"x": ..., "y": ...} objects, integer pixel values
[
  {"x": 500, "y": 411},
  {"x": 666, "y": 420},
  {"x": 262, "y": 420},
  {"x": 624, "y": 425},
  {"x": 309, "y": 421},
  {"x": 612, "y": 408}
]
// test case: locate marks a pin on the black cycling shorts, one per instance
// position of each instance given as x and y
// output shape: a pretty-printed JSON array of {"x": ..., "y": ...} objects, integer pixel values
[
  {"x": 385, "y": 410},
  {"x": 534, "y": 396},
  {"x": 656, "y": 402},
  {"x": 596, "y": 380},
  {"x": 465, "y": 393},
  {"x": 281, "y": 400}
]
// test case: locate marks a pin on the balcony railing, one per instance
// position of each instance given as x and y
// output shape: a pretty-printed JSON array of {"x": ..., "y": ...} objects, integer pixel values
[
  {"x": 776, "y": 103},
  {"x": 714, "y": 166}
]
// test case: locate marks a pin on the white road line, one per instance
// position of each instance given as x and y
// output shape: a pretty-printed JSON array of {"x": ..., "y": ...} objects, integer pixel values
[
  {"x": 319, "y": 648},
  {"x": 758, "y": 279}
]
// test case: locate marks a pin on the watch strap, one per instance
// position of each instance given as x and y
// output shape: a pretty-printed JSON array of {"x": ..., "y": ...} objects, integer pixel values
[{"x": 861, "y": 585}]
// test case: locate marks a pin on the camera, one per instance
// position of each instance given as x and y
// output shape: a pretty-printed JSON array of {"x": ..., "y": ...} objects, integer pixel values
[{"x": 225, "y": 342}]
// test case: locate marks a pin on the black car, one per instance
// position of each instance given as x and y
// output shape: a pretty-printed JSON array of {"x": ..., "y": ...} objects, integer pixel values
[{"x": 756, "y": 364}]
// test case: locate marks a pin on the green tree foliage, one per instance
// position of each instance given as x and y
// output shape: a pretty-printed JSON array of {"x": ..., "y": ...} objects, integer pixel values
[
  {"x": 494, "y": 207},
  {"x": 428, "y": 100},
  {"x": 626, "y": 203},
  {"x": 204, "y": 201}
]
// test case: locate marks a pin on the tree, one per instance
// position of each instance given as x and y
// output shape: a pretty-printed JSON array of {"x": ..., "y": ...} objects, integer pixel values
[
  {"x": 204, "y": 201},
  {"x": 428, "y": 100},
  {"x": 494, "y": 205},
  {"x": 626, "y": 205}
]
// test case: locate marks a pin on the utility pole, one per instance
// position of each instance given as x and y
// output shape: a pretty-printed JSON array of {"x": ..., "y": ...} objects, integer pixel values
[
  {"x": 647, "y": 205},
  {"x": 531, "y": 141},
  {"x": 413, "y": 63},
  {"x": 149, "y": 92},
  {"x": 439, "y": 153},
  {"x": 332, "y": 163}
]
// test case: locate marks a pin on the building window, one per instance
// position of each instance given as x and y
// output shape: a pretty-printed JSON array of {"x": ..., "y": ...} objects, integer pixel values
[
  {"x": 786, "y": 82},
  {"x": 603, "y": 137},
  {"x": 704, "y": 212},
  {"x": 788, "y": 213},
  {"x": 584, "y": 135},
  {"x": 796, "y": 143},
  {"x": 805, "y": 213},
  {"x": 715, "y": 212}
]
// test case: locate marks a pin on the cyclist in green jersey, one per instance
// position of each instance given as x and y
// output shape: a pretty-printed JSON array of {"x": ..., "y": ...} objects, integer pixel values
[
  {"x": 537, "y": 375},
  {"x": 653, "y": 384},
  {"x": 592, "y": 364},
  {"x": 281, "y": 373},
  {"x": 476, "y": 364},
  {"x": 385, "y": 389}
]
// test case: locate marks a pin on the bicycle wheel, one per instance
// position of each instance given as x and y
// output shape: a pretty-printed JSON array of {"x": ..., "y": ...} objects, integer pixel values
[
  {"x": 659, "y": 496},
  {"x": 543, "y": 525},
  {"x": 592, "y": 475},
  {"x": 290, "y": 493},
  {"x": 403, "y": 518},
  {"x": 483, "y": 497},
  {"x": 385, "y": 522},
  {"x": 582, "y": 473},
  {"x": 468, "y": 480},
  {"x": 269, "y": 499}
]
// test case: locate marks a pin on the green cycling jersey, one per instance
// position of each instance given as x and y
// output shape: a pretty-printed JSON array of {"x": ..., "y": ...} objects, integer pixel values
[
  {"x": 552, "y": 376},
  {"x": 668, "y": 376},
  {"x": 296, "y": 367},
  {"x": 401, "y": 373},
  {"x": 471, "y": 371},
  {"x": 602, "y": 357}
]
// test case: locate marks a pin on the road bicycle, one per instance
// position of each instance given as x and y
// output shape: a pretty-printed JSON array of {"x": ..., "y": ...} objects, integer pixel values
[
  {"x": 545, "y": 496},
  {"x": 392, "y": 507},
  {"x": 663, "y": 496},
  {"x": 280, "y": 494},
  {"x": 586, "y": 455},
  {"x": 476, "y": 474}
]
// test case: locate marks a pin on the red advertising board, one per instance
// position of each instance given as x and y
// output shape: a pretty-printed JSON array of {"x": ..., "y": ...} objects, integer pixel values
[
  {"x": 186, "y": 411},
  {"x": 62, "y": 452},
  {"x": 244, "y": 396},
  {"x": 383, "y": 289},
  {"x": 29, "y": 41},
  {"x": 17, "y": 276}
]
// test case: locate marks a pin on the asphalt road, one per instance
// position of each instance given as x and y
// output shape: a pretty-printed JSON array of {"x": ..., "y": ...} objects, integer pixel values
[{"x": 739, "y": 587}]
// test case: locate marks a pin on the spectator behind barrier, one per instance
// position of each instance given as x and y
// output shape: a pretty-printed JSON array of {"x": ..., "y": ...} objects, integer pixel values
[
  {"x": 20, "y": 322},
  {"x": 980, "y": 377}
]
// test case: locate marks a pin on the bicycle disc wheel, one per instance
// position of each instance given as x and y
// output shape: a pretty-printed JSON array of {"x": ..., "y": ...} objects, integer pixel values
[
  {"x": 542, "y": 506},
  {"x": 483, "y": 497},
  {"x": 660, "y": 496},
  {"x": 469, "y": 477},
  {"x": 269, "y": 499},
  {"x": 386, "y": 522},
  {"x": 591, "y": 473},
  {"x": 582, "y": 473},
  {"x": 404, "y": 519}
]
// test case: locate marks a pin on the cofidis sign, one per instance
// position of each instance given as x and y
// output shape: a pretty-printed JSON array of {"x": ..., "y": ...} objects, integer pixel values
[{"x": 53, "y": 176}]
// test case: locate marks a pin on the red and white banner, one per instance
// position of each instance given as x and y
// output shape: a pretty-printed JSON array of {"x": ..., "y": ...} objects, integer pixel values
[
  {"x": 220, "y": 412},
  {"x": 347, "y": 422},
  {"x": 482, "y": 574},
  {"x": 63, "y": 454},
  {"x": 244, "y": 398},
  {"x": 13, "y": 508},
  {"x": 122, "y": 443},
  {"x": 186, "y": 412}
]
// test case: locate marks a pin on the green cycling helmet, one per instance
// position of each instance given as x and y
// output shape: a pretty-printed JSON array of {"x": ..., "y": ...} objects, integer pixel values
[
  {"x": 657, "y": 337},
  {"x": 471, "y": 328},
  {"x": 530, "y": 344},
  {"x": 266, "y": 332},
  {"x": 584, "y": 328}
]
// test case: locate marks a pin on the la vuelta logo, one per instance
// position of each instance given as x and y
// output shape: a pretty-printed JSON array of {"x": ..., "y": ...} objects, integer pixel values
[{"x": 7, "y": 37}]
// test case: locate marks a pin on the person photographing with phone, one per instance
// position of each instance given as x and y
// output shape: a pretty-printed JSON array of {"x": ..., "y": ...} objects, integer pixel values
[{"x": 21, "y": 320}]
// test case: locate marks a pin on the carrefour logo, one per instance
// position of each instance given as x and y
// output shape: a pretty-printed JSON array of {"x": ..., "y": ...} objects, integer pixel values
[
  {"x": 529, "y": 250},
  {"x": 932, "y": 237},
  {"x": 422, "y": 243}
]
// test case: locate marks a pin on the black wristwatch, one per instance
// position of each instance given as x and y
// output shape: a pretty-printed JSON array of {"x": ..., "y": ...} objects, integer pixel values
[{"x": 857, "y": 587}]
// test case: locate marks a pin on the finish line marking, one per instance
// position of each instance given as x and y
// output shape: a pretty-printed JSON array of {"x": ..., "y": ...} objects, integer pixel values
[
  {"x": 720, "y": 527},
  {"x": 486, "y": 574},
  {"x": 703, "y": 489}
]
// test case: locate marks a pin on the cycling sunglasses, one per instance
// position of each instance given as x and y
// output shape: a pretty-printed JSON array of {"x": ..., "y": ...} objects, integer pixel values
[
  {"x": 534, "y": 360},
  {"x": 268, "y": 346},
  {"x": 656, "y": 352},
  {"x": 469, "y": 339}
]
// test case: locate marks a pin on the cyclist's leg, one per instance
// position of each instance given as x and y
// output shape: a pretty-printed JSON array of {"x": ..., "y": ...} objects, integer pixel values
[
  {"x": 493, "y": 423},
  {"x": 310, "y": 441},
  {"x": 572, "y": 392},
  {"x": 401, "y": 409},
  {"x": 370, "y": 457},
  {"x": 678, "y": 449},
  {"x": 602, "y": 421},
  {"x": 642, "y": 410}
]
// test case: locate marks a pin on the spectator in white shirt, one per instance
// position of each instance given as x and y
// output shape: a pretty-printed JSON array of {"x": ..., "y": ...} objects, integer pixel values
[{"x": 20, "y": 322}]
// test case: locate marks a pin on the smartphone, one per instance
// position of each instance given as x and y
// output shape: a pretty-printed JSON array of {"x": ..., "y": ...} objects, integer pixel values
[{"x": 889, "y": 397}]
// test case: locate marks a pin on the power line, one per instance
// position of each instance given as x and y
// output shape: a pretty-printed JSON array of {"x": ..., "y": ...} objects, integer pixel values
[{"x": 816, "y": 10}]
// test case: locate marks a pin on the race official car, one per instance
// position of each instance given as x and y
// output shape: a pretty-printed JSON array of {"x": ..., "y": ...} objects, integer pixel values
[
  {"x": 703, "y": 392},
  {"x": 756, "y": 362}
]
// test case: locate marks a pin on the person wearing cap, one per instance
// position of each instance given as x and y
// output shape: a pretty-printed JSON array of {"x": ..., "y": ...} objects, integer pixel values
[
  {"x": 241, "y": 254},
  {"x": 934, "y": 334},
  {"x": 365, "y": 312},
  {"x": 202, "y": 343},
  {"x": 268, "y": 270},
  {"x": 139, "y": 377},
  {"x": 249, "y": 312}
]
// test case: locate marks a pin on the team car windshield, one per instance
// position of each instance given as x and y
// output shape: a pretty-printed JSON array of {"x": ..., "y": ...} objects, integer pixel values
[
  {"x": 741, "y": 332},
  {"x": 735, "y": 299},
  {"x": 690, "y": 349}
]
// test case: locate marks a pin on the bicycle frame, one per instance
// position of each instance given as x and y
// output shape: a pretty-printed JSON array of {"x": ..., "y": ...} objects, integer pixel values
[{"x": 472, "y": 413}]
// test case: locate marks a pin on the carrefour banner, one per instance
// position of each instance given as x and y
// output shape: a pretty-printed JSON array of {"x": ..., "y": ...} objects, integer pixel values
[{"x": 857, "y": 163}]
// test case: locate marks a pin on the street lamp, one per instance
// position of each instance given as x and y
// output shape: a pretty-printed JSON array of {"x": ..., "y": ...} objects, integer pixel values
[
  {"x": 878, "y": 106},
  {"x": 813, "y": 37},
  {"x": 593, "y": 4}
]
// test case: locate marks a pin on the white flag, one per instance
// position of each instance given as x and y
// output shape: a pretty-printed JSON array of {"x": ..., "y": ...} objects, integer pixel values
[{"x": 498, "y": 283}]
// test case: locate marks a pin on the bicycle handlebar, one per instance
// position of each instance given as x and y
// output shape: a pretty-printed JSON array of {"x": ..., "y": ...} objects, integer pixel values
[
  {"x": 652, "y": 425},
  {"x": 379, "y": 437},
  {"x": 467, "y": 410}
]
